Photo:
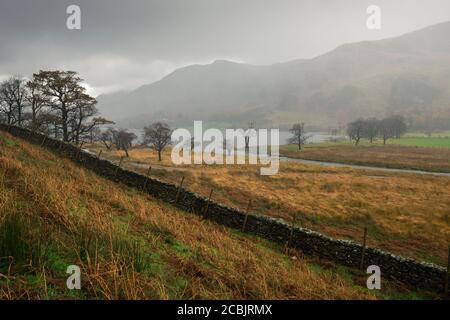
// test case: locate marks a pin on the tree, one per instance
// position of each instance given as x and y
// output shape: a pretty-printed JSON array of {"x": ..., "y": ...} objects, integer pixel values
[
  {"x": 157, "y": 136},
  {"x": 355, "y": 130},
  {"x": 107, "y": 138},
  {"x": 299, "y": 138},
  {"x": 400, "y": 126},
  {"x": 68, "y": 100},
  {"x": 386, "y": 129},
  {"x": 12, "y": 99},
  {"x": 248, "y": 135},
  {"x": 37, "y": 100},
  {"x": 371, "y": 127},
  {"x": 123, "y": 139},
  {"x": 392, "y": 127},
  {"x": 7, "y": 105},
  {"x": 19, "y": 94}
]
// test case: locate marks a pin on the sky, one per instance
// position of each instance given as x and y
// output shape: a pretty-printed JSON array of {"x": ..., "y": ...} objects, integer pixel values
[{"x": 124, "y": 44}]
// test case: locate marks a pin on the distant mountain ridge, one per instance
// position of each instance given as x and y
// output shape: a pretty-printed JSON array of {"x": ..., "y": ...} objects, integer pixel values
[{"x": 409, "y": 75}]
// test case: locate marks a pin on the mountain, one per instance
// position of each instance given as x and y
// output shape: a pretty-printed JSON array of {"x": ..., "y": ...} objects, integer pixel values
[{"x": 408, "y": 75}]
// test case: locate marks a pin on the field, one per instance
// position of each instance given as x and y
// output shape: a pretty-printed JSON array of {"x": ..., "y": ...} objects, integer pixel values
[
  {"x": 427, "y": 142},
  {"x": 405, "y": 213},
  {"x": 389, "y": 156},
  {"x": 131, "y": 246}
]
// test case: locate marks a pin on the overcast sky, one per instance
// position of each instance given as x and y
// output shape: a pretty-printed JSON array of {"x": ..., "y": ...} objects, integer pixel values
[{"x": 124, "y": 44}]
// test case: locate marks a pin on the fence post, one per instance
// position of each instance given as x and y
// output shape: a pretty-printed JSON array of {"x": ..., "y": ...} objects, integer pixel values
[
  {"x": 288, "y": 241},
  {"x": 146, "y": 180},
  {"x": 246, "y": 215},
  {"x": 363, "y": 251},
  {"x": 207, "y": 204},
  {"x": 179, "y": 190},
  {"x": 78, "y": 153},
  {"x": 120, "y": 163},
  {"x": 447, "y": 273}
]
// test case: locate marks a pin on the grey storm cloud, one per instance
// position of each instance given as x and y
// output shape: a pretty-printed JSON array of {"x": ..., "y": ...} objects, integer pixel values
[{"x": 123, "y": 44}]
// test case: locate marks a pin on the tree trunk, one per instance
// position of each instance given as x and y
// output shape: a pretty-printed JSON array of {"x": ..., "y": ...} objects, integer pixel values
[
  {"x": 19, "y": 116},
  {"x": 64, "y": 123},
  {"x": 159, "y": 155}
]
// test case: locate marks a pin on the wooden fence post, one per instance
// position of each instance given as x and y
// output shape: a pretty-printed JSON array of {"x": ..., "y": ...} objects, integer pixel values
[
  {"x": 246, "y": 215},
  {"x": 146, "y": 180},
  {"x": 120, "y": 164},
  {"x": 179, "y": 190},
  {"x": 447, "y": 273},
  {"x": 363, "y": 251},
  {"x": 291, "y": 234},
  {"x": 207, "y": 204}
]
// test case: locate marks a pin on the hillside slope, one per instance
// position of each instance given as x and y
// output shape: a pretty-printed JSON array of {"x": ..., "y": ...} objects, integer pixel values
[
  {"x": 409, "y": 74},
  {"x": 130, "y": 246}
]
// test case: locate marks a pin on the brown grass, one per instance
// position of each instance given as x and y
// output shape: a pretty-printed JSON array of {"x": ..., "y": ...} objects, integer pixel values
[
  {"x": 130, "y": 246},
  {"x": 428, "y": 159},
  {"x": 408, "y": 214}
]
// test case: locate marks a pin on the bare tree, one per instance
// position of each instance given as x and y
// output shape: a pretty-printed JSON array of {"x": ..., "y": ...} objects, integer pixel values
[
  {"x": 107, "y": 138},
  {"x": 7, "y": 108},
  {"x": 355, "y": 130},
  {"x": 392, "y": 127},
  {"x": 124, "y": 140},
  {"x": 8, "y": 101},
  {"x": 19, "y": 93},
  {"x": 371, "y": 127},
  {"x": 157, "y": 136},
  {"x": 400, "y": 126},
  {"x": 37, "y": 100},
  {"x": 299, "y": 137},
  {"x": 67, "y": 99},
  {"x": 247, "y": 137}
]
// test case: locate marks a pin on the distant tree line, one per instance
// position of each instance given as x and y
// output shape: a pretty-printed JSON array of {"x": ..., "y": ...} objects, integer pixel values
[
  {"x": 372, "y": 129},
  {"x": 51, "y": 102}
]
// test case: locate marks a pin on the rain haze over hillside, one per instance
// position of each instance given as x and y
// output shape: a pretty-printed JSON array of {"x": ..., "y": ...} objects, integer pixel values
[{"x": 122, "y": 47}]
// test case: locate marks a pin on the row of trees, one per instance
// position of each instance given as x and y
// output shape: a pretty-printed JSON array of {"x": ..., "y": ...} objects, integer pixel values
[
  {"x": 156, "y": 136},
  {"x": 372, "y": 128},
  {"x": 52, "y": 102}
]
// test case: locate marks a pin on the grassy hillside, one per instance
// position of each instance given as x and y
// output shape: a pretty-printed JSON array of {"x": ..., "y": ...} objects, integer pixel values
[{"x": 130, "y": 246}]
